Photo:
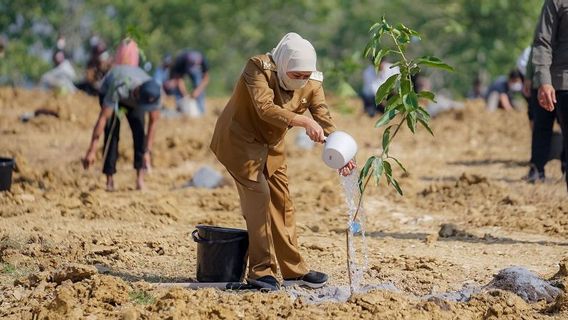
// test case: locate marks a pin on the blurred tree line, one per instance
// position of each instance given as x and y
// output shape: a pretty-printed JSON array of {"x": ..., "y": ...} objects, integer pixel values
[{"x": 477, "y": 37}]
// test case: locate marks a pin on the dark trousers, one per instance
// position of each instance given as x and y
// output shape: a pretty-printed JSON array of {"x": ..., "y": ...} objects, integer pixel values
[
  {"x": 112, "y": 130},
  {"x": 543, "y": 122},
  {"x": 562, "y": 112},
  {"x": 369, "y": 105}
]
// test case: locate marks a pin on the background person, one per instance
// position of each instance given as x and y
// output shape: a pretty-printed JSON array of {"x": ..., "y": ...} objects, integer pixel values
[
  {"x": 500, "y": 92},
  {"x": 372, "y": 80},
  {"x": 127, "y": 53},
  {"x": 272, "y": 93},
  {"x": 98, "y": 65},
  {"x": 550, "y": 60},
  {"x": 542, "y": 122},
  {"x": 130, "y": 88},
  {"x": 62, "y": 76},
  {"x": 162, "y": 73},
  {"x": 477, "y": 91},
  {"x": 193, "y": 64}
]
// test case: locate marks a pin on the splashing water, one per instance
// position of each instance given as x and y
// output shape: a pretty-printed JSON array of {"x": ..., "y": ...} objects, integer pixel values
[
  {"x": 334, "y": 293},
  {"x": 352, "y": 194}
]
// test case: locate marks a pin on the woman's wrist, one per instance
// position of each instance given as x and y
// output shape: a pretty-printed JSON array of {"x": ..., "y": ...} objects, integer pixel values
[{"x": 300, "y": 121}]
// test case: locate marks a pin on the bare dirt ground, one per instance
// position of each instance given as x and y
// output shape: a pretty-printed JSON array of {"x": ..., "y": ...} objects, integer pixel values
[{"x": 68, "y": 249}]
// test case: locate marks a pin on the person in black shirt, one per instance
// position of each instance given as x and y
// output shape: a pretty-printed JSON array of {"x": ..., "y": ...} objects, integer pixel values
[{"x": 193, "y": 64}]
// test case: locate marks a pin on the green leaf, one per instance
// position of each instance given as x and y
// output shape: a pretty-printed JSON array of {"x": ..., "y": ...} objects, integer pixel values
[
  {"x": 378, "y": 170},
  {"x": 410, "y": 101},
  {"x": 427, "y": 95},
  {"x": 385, "y": 88},
  {"x": 390, "y": 179},
  {"x": 434, "y": 62},
  {"x": 386, "y": 140},
  {"x": 392, "y": 101},
  {"x": 375, "y": 27},
  {"x": 405, "y": 86},
  {"x": 403, "y": 38},
  {"x": 422, "y": 114},
  {"x": 396, "y": 186},
  {"x": 396, "y": 64},
  {"x": 368, "y": 163},
  {"x": 379, "y": 166},
  {"x": 414, "y": 69},
  {"x": 399, "y": 164},
  {"x": 426, "y": 125},
  {"x": 402, "y": 28},
  {"x": 386, "y": 118},
  {"x": 400, "y": 108},
  {"x": 134, "y": 32},
  {"x": 379, "y": 56},
  {"x": 407, "y": 30},
  {"x": 411, "y": 121},
  {"x": 388, "y": 169},
  {"x": 365, "y": 172},
  {"x": 368, "y": 48},
  {"x": 386, "y": 26}
]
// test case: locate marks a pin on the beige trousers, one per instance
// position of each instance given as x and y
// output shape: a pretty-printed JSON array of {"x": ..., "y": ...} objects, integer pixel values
[{"x": 269, "y": 214}]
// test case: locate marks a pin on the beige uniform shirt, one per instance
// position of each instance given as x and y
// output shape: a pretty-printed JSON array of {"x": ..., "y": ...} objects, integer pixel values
[{"x": 249, "y": 134}]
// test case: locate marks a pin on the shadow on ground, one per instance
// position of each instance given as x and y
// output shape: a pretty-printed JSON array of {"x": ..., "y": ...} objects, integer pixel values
[
  {"x": 486, "y": 239},
  {"x": 508, "y": 163}
]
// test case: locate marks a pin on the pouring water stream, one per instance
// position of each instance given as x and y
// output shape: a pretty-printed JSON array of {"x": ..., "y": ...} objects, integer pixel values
[{"x": 357, "y": 262}]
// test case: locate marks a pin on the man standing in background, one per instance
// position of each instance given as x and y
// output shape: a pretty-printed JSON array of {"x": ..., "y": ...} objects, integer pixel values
[{"x": 550, "y": 60}]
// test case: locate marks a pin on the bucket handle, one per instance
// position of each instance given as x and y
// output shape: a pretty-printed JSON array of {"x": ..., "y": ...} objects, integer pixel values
[{"x": 197, "y": 239}]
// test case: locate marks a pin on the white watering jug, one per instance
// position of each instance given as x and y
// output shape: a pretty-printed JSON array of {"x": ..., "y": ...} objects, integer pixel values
[{"x": 339, "y": 149}]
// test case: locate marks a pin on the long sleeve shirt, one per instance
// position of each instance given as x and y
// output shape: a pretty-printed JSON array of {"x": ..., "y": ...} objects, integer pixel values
[
  {"x": 249, "y": 134},
  {"x": 529, "y": 74},
  {"x": 550, "y": 46}
]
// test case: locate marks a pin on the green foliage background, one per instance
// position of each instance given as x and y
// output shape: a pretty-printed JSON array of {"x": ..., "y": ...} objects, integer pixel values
[{"x": 475, "y": 36}]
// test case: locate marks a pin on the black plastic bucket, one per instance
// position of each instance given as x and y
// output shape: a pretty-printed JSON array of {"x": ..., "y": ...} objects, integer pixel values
[
  {"x": 221, "y": 253},
  {"x": 6, "y": 168}
]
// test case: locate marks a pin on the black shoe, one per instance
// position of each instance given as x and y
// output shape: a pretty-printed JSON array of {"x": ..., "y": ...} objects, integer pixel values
[
  {"x": 534, "y": 176},
  {"x": 266, "y": 283},
  {"x": 312, "y": 279}
]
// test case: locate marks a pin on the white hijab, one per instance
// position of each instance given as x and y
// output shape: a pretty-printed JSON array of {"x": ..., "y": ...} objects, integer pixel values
[{"x": 293, "y": 53}]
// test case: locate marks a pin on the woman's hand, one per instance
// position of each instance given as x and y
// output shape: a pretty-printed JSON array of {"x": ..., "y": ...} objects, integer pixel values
[
  {"x": 313, "y": 129},
  {"x": 348, "y": 168}
]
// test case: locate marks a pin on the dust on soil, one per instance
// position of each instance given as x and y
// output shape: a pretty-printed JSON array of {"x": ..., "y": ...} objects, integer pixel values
[{"x": 71, "y": 250}]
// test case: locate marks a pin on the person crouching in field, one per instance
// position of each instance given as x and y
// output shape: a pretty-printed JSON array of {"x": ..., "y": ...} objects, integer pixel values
[
  {"x": 272, "y": 93},
  {"x": 125, "y": 89}
]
